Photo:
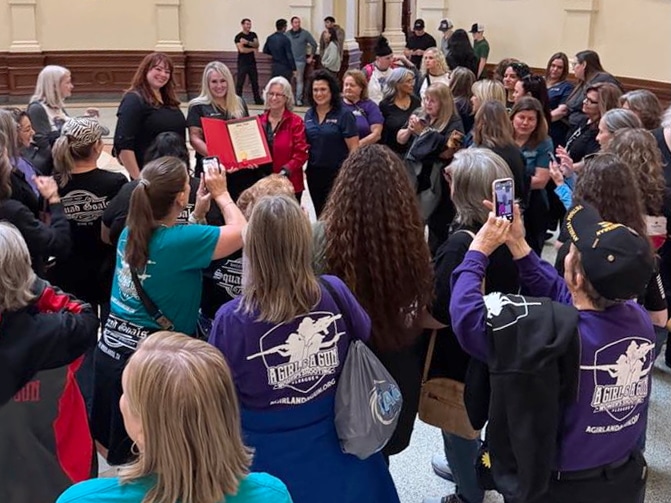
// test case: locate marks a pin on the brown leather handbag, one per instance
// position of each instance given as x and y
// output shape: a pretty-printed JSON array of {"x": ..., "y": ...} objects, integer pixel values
[{"x": 441, "y": 401}]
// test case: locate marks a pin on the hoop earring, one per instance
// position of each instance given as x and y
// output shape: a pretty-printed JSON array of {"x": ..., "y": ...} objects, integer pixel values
[{"x": 134, "y": 449}]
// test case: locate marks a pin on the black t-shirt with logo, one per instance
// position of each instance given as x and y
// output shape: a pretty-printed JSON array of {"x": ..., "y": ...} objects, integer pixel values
[
  {"x": 87, "y": 271},
  {"x": 246, "y": 59},
  {"x": 222, "y": 282}
]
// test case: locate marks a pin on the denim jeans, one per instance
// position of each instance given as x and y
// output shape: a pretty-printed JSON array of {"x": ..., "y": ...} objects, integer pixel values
[
  {"x": 461, "y": 455},
  {"x": 300, "y": 79}
]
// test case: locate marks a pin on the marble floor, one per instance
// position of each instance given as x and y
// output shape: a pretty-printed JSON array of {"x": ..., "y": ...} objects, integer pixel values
[{"x": 411, "y": 469}]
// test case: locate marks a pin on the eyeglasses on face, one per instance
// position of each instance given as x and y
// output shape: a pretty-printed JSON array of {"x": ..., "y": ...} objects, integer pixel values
[
  {"x": 275, "y": 95},
  {"x": 590, "y": 101}
]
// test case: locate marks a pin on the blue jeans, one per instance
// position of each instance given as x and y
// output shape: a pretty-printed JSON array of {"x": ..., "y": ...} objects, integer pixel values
[
  {"x": 461, "y": 455},
  {"x": 300, "y": 79}
]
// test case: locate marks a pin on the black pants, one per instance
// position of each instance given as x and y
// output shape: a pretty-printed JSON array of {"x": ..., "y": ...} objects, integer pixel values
[
  {"x": 625, "y": 484},
  {"x": 320, "y": 183},
  {"x": 243, "y": 72}
]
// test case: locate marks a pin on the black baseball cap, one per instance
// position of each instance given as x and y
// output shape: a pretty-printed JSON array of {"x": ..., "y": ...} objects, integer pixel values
[
  {"x": 617, "y": 260},
  {"x": 419, "y": 24}
]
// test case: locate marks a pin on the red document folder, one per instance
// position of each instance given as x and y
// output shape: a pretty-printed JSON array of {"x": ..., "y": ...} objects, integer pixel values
[{"x": 218, "y": 141}]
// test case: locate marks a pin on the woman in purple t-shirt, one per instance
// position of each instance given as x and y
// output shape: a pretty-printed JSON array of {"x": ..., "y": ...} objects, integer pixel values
[
  {"x": 368, "y": 117},
  {"x": 286, "y": 339}
]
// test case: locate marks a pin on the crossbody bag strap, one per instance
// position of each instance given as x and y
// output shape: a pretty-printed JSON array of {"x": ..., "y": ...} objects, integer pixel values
[
  {"x": 434, "y": 333},
  {"x": 153, "y": 310},
  {"x": 336, "y": 299}
]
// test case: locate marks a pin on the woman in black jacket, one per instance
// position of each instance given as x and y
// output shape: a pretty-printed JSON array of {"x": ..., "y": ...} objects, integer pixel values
[
  {"x": 471, "y": 174},
  {"x": 43, "y": 240}
]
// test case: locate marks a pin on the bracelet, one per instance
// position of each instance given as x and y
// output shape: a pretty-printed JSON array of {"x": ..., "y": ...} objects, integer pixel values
[{"x": 198, "y": 221}]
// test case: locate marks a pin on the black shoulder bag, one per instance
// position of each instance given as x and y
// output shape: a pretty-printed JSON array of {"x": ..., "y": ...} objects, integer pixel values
[{"x": 153, "y": 310}]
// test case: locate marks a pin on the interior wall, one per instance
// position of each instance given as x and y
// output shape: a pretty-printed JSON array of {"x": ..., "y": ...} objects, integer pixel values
[{"x": 633, "y": 38}]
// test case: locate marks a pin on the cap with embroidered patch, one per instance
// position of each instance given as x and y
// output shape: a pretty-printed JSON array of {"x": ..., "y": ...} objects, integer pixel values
[
  {"x": 419, "y": 25},
  {"x": 617, "y": 261}
]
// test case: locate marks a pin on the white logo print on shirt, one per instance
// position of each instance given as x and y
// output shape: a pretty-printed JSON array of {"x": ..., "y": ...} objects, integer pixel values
[
  {"x": 495, "y": 301},
  {"x": 621, "y": 385},
  {"x": 306, "y": 356}
]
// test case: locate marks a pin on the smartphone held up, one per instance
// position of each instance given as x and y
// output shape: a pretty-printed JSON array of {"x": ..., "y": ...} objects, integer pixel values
[{"x": 503, "y": 196}]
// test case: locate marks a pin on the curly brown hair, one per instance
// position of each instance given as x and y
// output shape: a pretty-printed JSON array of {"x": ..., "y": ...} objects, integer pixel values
[
  {"x": 375, "y": 244},
  {"x": 637, "y": 148},
  {"x": 605, "y": 182}
]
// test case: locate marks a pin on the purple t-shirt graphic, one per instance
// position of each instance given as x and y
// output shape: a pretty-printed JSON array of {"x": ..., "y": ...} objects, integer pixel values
[
  {"x": 366, "y": 113},
  {"x": 289, "y": 364}
]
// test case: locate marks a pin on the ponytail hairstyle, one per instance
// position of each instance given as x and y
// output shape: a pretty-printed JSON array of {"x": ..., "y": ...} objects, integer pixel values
[
  {"x": 161, "y": 181},
  {"x": 79, "y": 137}
]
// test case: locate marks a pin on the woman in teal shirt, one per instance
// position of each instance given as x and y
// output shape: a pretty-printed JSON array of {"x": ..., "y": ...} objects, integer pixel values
[
  {"x": 168, "y": 261},
  {"x": 181, "y": 411}
]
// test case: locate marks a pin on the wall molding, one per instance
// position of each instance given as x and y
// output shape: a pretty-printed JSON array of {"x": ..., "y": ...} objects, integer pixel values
[{"x": 99, "y": 75}]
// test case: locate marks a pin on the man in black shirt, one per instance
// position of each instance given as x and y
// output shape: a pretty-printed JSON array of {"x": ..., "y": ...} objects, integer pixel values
[
  {"x": 247, "y": 43},
  {"x": 417, "y": 43},
  {"x": 278, "y": 47}
]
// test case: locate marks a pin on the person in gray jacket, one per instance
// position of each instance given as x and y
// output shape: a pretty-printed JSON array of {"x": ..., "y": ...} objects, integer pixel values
[{"x": 300, "y": 40}]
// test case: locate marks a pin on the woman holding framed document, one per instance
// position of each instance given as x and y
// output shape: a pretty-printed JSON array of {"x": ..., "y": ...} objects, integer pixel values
[
  {"x": 285, "y": 133},
  {"x": 217, "y": 100}
]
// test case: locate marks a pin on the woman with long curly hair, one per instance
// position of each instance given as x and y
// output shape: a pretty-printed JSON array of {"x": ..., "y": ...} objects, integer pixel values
[
  {"x": 606, "y": 183},
  {"x": 434, "y": 69},
  {"x": 374, "y": 241},
  {"x": 637, "y": 149}
]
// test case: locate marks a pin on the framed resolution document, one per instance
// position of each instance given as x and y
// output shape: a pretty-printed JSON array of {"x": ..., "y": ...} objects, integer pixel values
[{"x": 237, "y": 143}]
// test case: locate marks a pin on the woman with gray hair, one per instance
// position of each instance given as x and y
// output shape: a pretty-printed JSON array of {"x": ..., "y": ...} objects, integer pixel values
[
  {"x": 614, "y": 120},
  {"x": 397, "y": 105},
  {"x": 285, "y": 132},
  {"x": 43, "y": 332},
  {"x": 470, "y": 176}
]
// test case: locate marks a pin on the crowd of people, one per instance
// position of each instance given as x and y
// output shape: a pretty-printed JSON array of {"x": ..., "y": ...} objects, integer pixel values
[{"x": 207, "y": 321}]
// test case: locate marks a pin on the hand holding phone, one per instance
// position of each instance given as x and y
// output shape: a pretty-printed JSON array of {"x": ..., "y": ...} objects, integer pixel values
[{"x": 503, "y": 196}]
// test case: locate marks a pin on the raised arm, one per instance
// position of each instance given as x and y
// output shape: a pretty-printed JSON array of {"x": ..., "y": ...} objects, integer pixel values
[{"x": 230, "y": 234}]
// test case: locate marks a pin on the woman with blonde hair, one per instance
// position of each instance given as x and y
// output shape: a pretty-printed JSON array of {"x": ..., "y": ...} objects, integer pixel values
[
  {"x": 47, "y": 112},
  {"x": 157, "y": 280},
  {"x": 286, "y": 339},
  {"x": 217, "y": 100},
  {"x": 181, "y": 411},
  {"x": 85, "y": 192},
  {"x": 435, "y": 133},
  {"x": 434, "y": 70},
  {"x": 486, "y": 90}
]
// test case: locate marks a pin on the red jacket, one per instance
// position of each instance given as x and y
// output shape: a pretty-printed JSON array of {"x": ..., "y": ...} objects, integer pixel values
[{"x": 290, "y": 147}]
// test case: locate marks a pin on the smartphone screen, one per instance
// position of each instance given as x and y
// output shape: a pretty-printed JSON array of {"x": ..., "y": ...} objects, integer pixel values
[
  {"x": 211, "y": 161},
  {"x": 504, "y": 197}
]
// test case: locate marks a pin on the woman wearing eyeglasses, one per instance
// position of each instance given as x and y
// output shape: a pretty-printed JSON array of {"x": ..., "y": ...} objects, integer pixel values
[
  {"x": 588, "y": 71},
  {"x": 599, "y": 98},
  {"x": 285, "y": 132}
]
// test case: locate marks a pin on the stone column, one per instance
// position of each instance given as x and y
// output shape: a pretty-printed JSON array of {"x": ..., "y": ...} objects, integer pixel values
[
  {"x": 167, "y": 26},
  {"x": 370, "y": 18},
  {"x": 393, "y": 24},
  {"x": 578, "y": 30},
  {"x": 23, "y": 26}
]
